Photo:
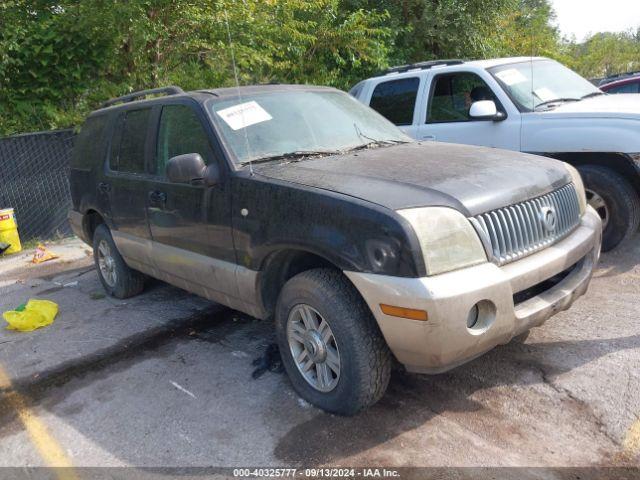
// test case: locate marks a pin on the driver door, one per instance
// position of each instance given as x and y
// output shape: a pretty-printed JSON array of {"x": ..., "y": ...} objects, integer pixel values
[
  {"x": 446, "y": 117},
  {"x": 190, "y": 224}
]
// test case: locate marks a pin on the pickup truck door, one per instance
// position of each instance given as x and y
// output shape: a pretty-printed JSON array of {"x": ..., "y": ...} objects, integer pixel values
[
  {"x": 190, "y": 224},
  {"x": 444, "y": 115}
]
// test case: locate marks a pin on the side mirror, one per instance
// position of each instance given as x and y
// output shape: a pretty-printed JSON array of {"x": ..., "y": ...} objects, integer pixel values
[
  {"x": 187, "y": 168},
  {"x": 485, "y": 110}
]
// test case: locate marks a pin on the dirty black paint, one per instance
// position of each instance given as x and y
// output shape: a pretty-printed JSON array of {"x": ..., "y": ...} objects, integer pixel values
[{"x": 340, "y": 208}]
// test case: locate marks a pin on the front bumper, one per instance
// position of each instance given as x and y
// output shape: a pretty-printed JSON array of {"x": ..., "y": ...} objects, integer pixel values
[{"x": 444, "y": 341}]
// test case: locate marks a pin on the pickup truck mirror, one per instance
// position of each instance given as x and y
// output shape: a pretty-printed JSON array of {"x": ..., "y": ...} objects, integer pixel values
[
  {"x": 187, "y": 168},
  {"x": 485, "y": 110}
]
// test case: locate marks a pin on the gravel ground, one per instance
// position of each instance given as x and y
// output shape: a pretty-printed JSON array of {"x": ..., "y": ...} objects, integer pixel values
[{"x": 165, "y": 380}]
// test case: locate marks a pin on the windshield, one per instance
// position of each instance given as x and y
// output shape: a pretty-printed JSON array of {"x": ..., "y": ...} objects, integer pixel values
[
  {"x": 552, "y": 83},
  {"x": 307, "y": 122}
]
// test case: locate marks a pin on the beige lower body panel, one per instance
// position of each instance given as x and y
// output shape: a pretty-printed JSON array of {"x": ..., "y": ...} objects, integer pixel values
[
  {"x": 444, "y": 341},
  {"x": 223, "y": 282}
]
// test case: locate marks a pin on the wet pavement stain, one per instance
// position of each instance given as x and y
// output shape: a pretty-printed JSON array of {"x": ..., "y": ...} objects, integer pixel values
[
  {"x": 270, "y": 361},
  {"x": 117, "y": 357}
]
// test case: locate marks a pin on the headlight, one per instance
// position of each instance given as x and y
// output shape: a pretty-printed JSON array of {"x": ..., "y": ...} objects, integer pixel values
[
  {"x": 577, "y": 182},
  {"x": 635, "y": 157},
  {"x": 447, "y": 239}
]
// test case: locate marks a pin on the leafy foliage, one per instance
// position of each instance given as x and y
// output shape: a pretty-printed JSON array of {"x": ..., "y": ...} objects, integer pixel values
[{"x": 60, "y": 59}]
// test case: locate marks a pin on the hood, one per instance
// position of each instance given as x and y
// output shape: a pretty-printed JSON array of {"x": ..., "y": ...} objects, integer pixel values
[
  {"x": 472, "y": 180},
  {"x": 623, "y": 105}
]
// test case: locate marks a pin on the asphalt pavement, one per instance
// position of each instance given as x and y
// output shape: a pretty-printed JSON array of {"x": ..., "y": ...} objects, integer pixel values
[{"x": 170, "y": 379}]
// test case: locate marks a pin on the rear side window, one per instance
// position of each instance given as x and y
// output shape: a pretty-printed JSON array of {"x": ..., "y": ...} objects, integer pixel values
[
  {"x": 627, "y": 88},
  {"x": 89, "y": 144},
  {"x": 128, "y": 144},
  {"x": 181, "y": 132},
  {"x": 396, "y": 99}
]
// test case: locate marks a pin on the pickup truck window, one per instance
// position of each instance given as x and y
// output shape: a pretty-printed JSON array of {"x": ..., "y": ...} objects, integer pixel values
[
  {"x": 181, "y": 132},
  {"x": 542, "y": 83},
  {"x": 396, "y": 99},
  {"x": 452, "y": 95},
  {"x": 258, "y": 126}
]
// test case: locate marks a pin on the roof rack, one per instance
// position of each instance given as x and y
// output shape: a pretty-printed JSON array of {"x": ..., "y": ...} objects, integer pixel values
[
  {"x": 171, "y": 90},
  {"x": 422, "y": 65}
]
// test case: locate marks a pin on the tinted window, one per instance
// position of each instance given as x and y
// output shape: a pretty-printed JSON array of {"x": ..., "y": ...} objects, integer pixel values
[
  {"x": 396, "y": 99},
  {"x": 88, "y": 145},
  {"x": 132, "y": 130},
  {"x": 452, "y": 96},
  {"x": 627, "y": 88},
  {"x": 181, "y": 132}
]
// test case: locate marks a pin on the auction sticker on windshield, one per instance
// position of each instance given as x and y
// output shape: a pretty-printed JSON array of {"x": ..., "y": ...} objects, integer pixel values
[
  {"x": 243, "y": 115},
  {"x": 511, "y": 76}
]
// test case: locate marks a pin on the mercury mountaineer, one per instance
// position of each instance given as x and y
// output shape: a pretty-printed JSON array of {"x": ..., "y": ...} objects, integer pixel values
[{"x": 301, "y": 205}]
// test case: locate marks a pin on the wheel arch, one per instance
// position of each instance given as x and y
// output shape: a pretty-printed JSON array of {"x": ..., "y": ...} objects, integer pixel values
[
  {"x": 283, "y": 264},
  {"x": 618, "y": 162},
  {"x": 90, "y": 221}
]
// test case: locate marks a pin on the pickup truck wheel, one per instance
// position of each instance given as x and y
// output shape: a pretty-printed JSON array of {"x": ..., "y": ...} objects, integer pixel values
[
  {"x": 330, "y": 344},
  {"x": 116, "y": 277},
  {"x": 615, "y": 200}
]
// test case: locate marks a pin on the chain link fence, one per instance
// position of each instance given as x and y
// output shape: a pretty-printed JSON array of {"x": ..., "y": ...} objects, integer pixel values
[{"x": 34, "y": 181}]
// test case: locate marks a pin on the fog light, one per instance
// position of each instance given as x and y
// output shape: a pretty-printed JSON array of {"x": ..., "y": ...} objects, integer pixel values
[
  {"x": 481, "y": 317},
  {"x": 472, "y": 317}
]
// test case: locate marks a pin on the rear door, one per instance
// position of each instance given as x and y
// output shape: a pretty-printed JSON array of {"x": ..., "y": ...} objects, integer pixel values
[
  {"x": 125, "y": 183},
  {"x": 445, "y": 116},
  {"x": 188, "y": 221}
]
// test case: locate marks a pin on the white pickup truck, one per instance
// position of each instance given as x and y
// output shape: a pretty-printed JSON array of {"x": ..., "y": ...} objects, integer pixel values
[{"x": 533, "y": 105}]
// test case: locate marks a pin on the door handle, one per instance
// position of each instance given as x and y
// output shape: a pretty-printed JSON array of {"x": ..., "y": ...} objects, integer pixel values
[
  {"x": 429, "y": 137},
  {"x": 104, "y": 187},
  {"x": 157, "y": 197}
]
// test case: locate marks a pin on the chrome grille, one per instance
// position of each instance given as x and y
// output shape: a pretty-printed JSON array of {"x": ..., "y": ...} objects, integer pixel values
[{"x": 519, "y": 230}]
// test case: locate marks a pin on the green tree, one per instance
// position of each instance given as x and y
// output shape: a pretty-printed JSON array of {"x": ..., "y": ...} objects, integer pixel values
[
  {"x": 61, "y": 59},
  {"x": 605, "y": 54}
]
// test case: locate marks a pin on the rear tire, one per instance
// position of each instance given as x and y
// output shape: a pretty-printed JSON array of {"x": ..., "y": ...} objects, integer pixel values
[
  {"x": 615, "y": 200},
  {"x": 116, "y": 277},
  {"x": 341, "y": 317}
]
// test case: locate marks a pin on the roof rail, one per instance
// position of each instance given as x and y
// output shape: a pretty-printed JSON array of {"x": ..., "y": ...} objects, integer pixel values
[
  {"x": 171, "y": 90},
  {"x": 422, "y": 65}
]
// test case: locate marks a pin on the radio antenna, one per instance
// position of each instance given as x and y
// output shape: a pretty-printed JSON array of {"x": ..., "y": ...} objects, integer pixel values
[{"x": 239, "y": 93}]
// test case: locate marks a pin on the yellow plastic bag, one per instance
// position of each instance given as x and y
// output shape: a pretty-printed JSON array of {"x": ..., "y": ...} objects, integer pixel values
[{"x": 36, "y": 314}]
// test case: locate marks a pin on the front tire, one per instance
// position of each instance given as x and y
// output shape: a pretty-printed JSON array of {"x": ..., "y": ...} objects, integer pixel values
[
  {"x": 331, "y": 346},
  {"x": 116, "y": 277},
  {"x": 615, "y": 200}
]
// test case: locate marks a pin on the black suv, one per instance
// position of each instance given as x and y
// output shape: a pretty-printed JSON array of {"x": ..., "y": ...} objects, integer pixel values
[{"x": 298, "y": 203}]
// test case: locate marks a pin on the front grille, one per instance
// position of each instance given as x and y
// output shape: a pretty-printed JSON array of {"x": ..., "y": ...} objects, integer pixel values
[{"x": 519, "y": 230}]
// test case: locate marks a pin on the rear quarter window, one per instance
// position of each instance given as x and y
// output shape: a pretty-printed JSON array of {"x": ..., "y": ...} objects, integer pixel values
[
  {"x": 396, "y": 99},
  {"x": 88, "y": 147}
]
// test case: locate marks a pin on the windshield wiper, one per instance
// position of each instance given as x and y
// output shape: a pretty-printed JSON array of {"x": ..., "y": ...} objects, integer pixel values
[
  {"x": 592, "y": 94},
  {"x": 556, "y": 100},
  {"x": 298, "y": 154},
  {"x": 374, "y": 143}
]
